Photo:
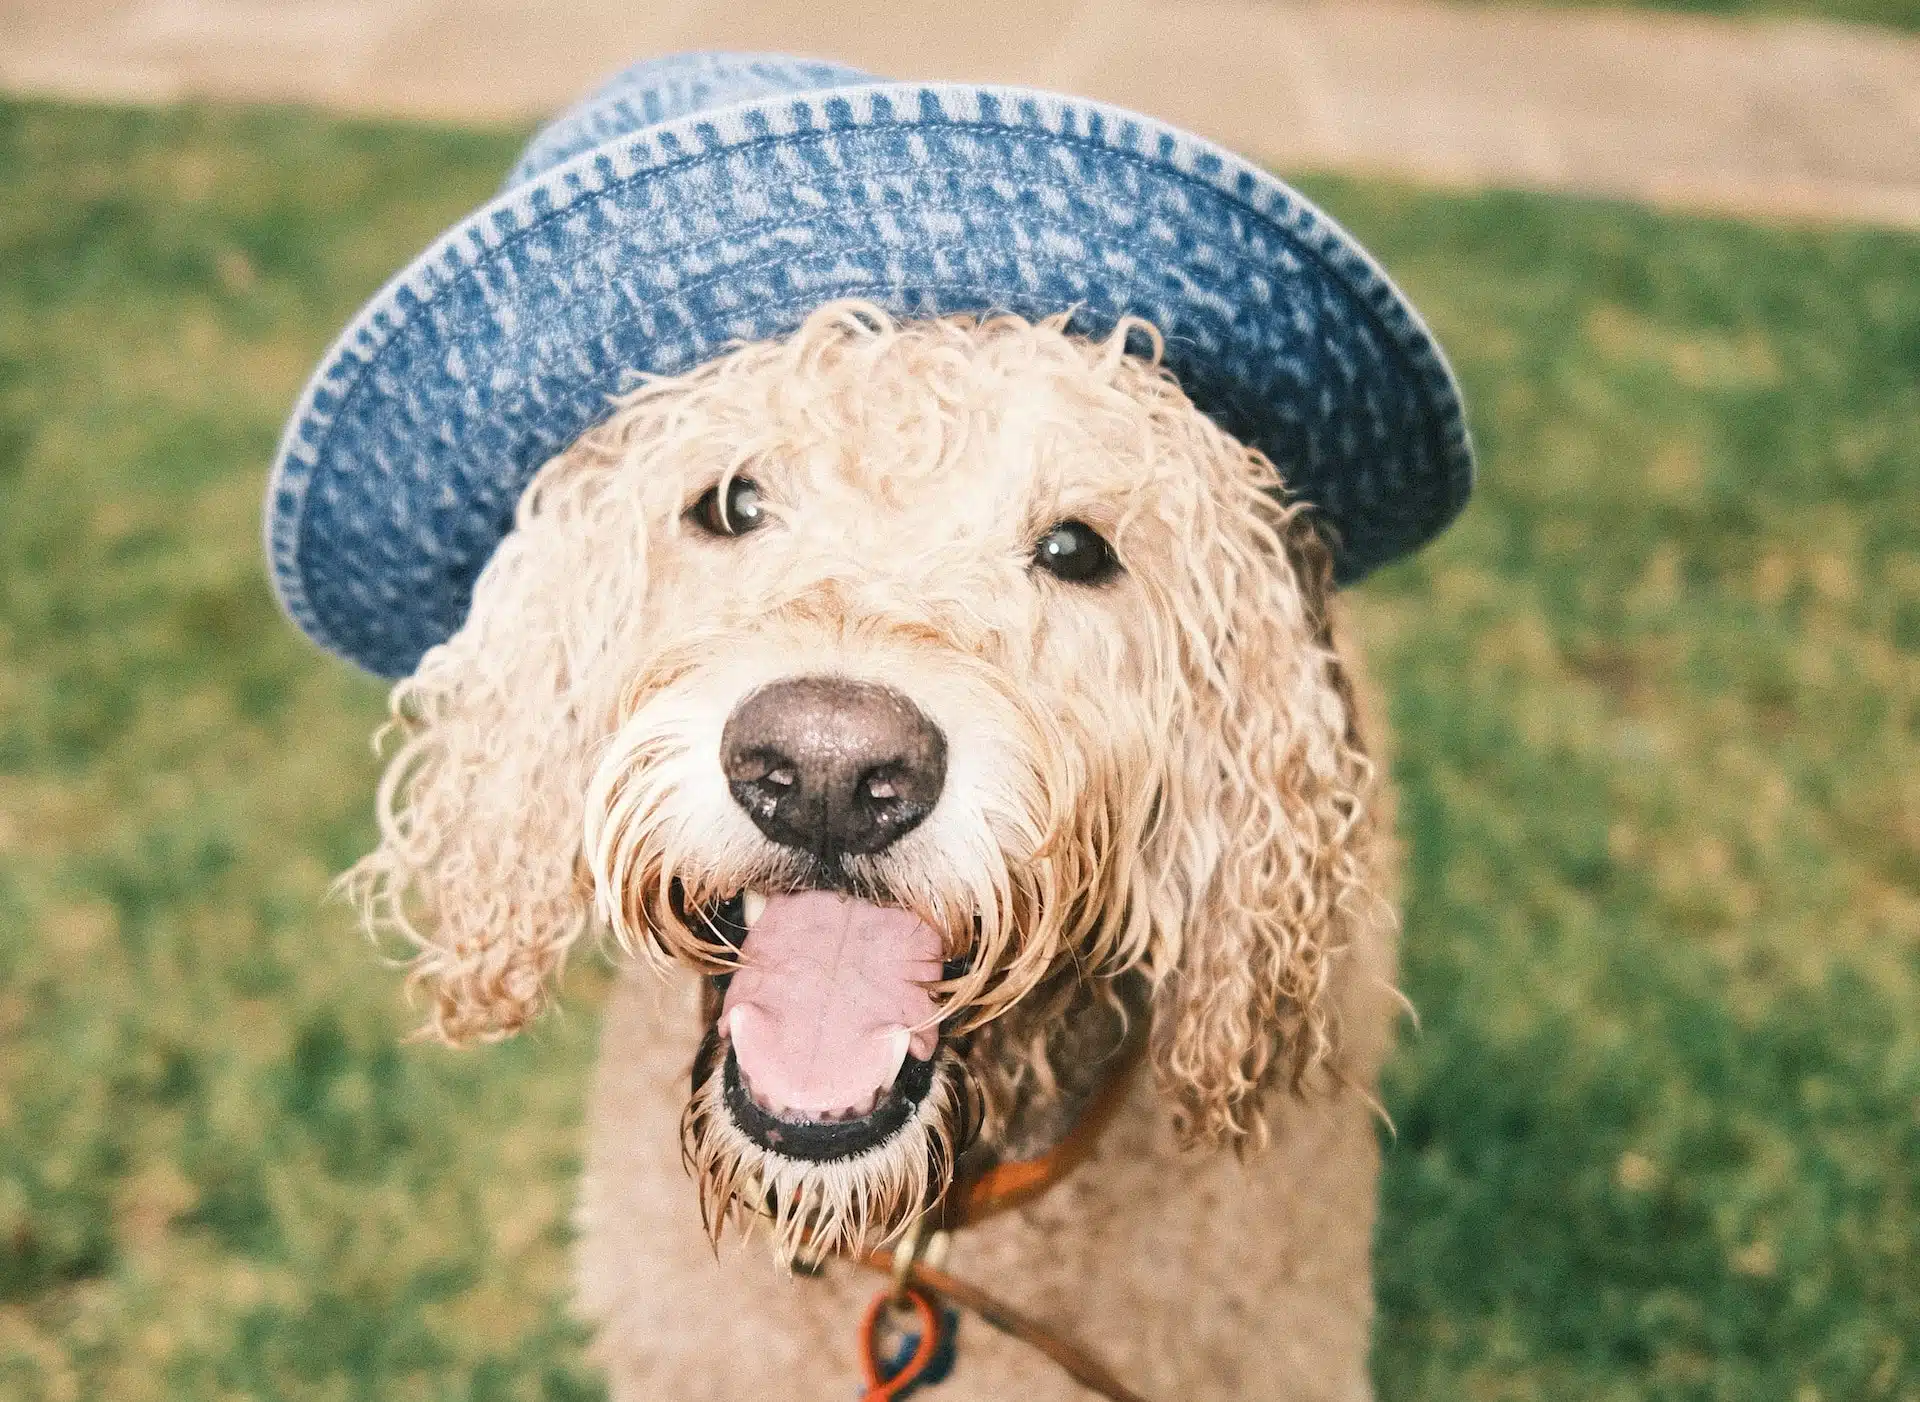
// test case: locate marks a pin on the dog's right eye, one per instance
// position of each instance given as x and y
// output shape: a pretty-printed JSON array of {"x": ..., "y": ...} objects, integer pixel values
[
  {"x": 1077, "y": 553},
  {"x": 729, "y": 509}
]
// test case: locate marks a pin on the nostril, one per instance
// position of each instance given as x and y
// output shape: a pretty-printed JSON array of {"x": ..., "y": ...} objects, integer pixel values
[{"x": 760, "y": 765}]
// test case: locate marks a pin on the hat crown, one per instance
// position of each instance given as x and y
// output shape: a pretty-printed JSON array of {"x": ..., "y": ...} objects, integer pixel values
[{"x": 665, "y": 89}]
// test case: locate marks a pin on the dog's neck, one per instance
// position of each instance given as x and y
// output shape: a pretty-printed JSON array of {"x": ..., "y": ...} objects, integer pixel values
[{"x": 1087, "y": 1035}]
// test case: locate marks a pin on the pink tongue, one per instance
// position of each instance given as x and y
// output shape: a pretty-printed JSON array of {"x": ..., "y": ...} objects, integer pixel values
[{"x": 828, "y": 1000}]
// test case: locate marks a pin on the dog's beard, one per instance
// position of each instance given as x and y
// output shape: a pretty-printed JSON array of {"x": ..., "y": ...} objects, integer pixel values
[{"x": 820, "y": 1207}]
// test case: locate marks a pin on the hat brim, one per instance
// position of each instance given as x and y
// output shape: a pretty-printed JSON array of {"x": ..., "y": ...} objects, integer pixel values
[{"x": 502, "y": 343}]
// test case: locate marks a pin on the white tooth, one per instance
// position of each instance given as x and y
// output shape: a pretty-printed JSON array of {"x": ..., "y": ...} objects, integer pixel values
[
  {"x": 731, "y": 1027},
  {"x": 898, "y": 1041},
  {"x": 753, "y": 905}
]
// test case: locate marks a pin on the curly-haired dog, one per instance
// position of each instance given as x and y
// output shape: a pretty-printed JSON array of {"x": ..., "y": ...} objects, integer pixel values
[
  {"x": 944, "y": 702},
  {"x": 953, "y": 703}
]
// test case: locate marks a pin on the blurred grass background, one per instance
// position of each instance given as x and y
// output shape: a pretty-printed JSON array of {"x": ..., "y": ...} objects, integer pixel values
[
  {"x": 1893, "y": 14},
  {"x": 1657, "y": 713}
]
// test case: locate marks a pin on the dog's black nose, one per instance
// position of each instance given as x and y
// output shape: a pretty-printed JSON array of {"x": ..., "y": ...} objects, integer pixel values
[{"x": 833, "y": 766}]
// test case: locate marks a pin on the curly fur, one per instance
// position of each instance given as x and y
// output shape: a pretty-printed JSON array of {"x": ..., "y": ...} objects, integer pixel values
[{"x": 1161, "y": 774}]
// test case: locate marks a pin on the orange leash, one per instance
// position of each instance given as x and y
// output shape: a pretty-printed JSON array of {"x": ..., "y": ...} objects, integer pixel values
[
  {"x": 1075, "y": 1361},
  {"x": 886, "y": 1389}
]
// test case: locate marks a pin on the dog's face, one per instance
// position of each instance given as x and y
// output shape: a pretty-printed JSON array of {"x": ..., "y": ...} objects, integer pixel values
[{"x": 907, "y": 682}]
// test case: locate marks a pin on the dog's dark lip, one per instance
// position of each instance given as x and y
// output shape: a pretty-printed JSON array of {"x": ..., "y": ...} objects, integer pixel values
[
  {"x": 727, "y": 919},
  {"x": 822, "y": 1141}
]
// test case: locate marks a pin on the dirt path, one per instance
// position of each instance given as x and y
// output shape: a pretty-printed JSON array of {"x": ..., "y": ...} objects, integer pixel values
[{"x": 1777, "y": 119}]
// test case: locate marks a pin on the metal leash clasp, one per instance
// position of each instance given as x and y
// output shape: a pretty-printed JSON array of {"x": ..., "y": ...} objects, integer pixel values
[
  {"x": 917, "y": 1245},
  {"x": 904, "y": 1255}
]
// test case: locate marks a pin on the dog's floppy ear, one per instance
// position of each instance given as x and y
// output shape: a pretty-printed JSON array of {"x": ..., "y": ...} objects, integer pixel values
[
  {"x": 1268, "y": 837},
  {"x": 478, "y": 872}
]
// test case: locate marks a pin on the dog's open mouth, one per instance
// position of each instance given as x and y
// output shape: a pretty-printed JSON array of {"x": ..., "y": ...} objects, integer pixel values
[{"x": 829, "y": 1022}]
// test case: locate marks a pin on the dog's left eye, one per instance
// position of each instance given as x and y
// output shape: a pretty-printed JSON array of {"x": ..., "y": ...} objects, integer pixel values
[
  {"x": 729, "y": 510},
  {"x": 1076, "y": 552}
]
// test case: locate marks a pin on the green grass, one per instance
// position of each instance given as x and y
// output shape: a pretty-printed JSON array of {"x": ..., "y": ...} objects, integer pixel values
[
  {"x": 1658, "y": 708},
  {"x": 1892, "y": 14},
  {"x": 1657, "y": 714}
]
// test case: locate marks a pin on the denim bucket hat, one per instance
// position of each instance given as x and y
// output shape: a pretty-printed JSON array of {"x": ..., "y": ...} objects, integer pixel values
[{"x": 703, "y": 200}]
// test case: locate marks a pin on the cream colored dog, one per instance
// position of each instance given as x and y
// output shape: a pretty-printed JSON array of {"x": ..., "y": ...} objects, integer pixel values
[{"x": 945, "y": 708}]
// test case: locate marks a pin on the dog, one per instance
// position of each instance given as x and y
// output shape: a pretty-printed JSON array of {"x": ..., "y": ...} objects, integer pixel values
[
  {"x": 943, "y": 707},
  {"x": 865, "y": 552}
]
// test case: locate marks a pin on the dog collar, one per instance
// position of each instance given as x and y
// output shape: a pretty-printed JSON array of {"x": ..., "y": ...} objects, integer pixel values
[{"x": 1000, "y": 1185}]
